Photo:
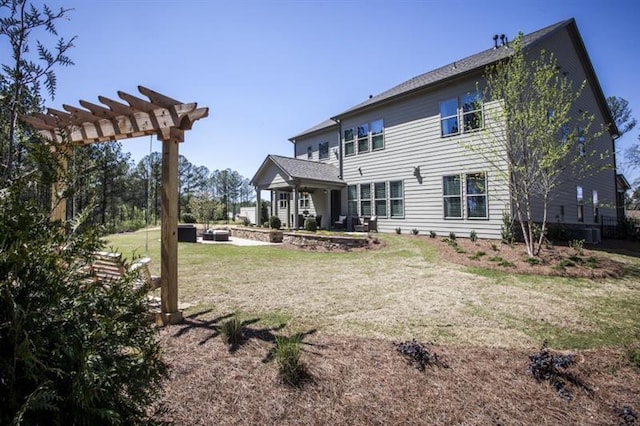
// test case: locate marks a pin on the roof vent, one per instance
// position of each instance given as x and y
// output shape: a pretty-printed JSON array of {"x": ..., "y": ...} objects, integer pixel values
[
  {"x": 495, "y": 41},
  {"x": 504, "y": 40}
]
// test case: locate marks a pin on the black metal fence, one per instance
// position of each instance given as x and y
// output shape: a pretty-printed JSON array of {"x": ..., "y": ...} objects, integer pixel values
[{"x": 611, "y": 227}]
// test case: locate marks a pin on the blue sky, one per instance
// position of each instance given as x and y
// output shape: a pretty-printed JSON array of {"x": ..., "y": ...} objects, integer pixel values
[{"x": 268, "y": 70}]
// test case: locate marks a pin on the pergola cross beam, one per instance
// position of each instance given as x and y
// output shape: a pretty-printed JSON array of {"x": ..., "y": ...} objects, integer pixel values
[{"x": 162, "y": 116}]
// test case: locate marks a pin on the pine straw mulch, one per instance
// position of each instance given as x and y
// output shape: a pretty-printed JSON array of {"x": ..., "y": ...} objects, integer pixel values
[
  {"x": 358, "y": 381},
  {"x": 588, "y": 264}
]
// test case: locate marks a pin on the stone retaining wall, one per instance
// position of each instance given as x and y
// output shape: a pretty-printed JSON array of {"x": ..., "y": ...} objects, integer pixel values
[
  {"x": 301, "y": 239},
  {"x": 257, "y": 234}
]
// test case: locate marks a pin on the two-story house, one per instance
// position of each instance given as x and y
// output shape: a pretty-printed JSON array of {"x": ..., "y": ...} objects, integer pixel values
[{"x": 402, "y": 155}]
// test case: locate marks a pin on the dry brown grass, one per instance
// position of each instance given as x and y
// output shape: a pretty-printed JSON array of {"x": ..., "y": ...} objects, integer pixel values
[
  {"x": 354, "y": 305},
  {"x": 365, "y": 381}
]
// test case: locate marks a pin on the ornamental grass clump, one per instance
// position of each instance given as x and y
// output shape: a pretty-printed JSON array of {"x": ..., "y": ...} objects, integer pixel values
[
  {"x": 291, "y": 370},
  {"x": 231, "y": 331}
]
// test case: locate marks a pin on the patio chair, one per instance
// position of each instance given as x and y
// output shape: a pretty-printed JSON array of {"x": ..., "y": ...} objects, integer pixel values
[
  {"x": 371, "y": 224},
  {"x": 110, "y": 266},
  {"x": 340, "y": 223}
]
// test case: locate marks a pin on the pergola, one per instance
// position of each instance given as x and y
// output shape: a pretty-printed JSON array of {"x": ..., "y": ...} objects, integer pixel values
[{"x": 160, "y": 115}]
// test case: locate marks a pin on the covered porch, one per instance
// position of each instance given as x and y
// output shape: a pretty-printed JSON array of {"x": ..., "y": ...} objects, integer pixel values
[{"x": 300, "y": 189}]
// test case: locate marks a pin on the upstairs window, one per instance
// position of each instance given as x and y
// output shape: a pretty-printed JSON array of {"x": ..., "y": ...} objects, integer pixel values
[
  {"x": 452, "y": 196},
  {"x": 309, "y": 153},
  {"x": 471, "y": 112},
  {"x": 323, "y": 151},
  {"x": 449, "y": 117},
  {"x": 349, "y": 144},
  {"x": 580, "y": 201},
  {"x": 467, "y": 108},
  {"x": 377, "y": 135},
  {"x": 596, "y": 205},
  {"x": 363, "y": 138}
]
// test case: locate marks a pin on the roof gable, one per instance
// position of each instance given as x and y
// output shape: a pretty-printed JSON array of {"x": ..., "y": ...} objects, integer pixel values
[
  {"x": 474, "y": 64},
  {"x": 292, "y": 169}
]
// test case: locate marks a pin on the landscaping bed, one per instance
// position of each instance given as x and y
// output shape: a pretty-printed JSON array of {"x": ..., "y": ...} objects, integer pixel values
[{"x": 553, "y": 260}]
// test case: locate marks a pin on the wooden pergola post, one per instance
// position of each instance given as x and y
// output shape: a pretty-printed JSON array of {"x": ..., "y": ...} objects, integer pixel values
[
  {"x": 160, "y": 115},
  {"x": 168, "y": 235}
]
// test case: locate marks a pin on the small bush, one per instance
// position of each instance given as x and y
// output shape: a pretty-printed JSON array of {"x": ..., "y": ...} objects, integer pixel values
[
  {"x": 415, "y": 231},
  {"x": 231, "y": 331},
  {"x": 246, "y": 221},
  {"x": 478, "y": 255},
  {"x": 473, "y": 236},
  {"x": 533, "y": 261},
  {"x": 452, "y": 236},
  {"x": 291, "y": 370},
  {"x": 564, "y": 264},
  {"x": 417, "y": 354},
  {"x": 633, "y": 353},
  {"x": 188, "y": 218},
  {"x": 502, "y": 262},
  {"x": 274, "y": 222},
  {"x": 494, "y": 247},
  {"x": 432, "y": 234},
  {"x": 310, "y": 224},
  {"x": 398, "y": 231},
  {"x": 545, "y": 366},
  {"x": 557, "y": 233},
  {"x": 592, "y": 262},
  {"x": 265, "y": 224},
  {"x": 578, "y": 246},
  {"x": 506, "y": 229}
]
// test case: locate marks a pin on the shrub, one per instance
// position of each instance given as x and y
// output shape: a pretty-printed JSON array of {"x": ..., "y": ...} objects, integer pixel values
[
  {"x": 73, "y": 351},
  {"x": 506, "y": 229},
  {"x": 246, "y": 221},
  {"x": 545, "y": 366},
  {"x": 419, "y": 355},
  {"x": 415, "y": 231},
  {"x": 452, "y": 236},
  {"x": 291, "y": 370},
  {"x": 274, "y": 222},
  {"x": 432, "y": 234},
  {"x": 533, "y": 261},
  {"x": 265, "y": 224},
  {"x": 310, "y": 224},
  {"x": 188, "y": 218},
  {"x": 478, "y": 255},
  {"x": 398, "y": 231},
  {"x": 473, "y": 236},
  {"x": 577, "y": 246},
  {"x": 494, "y": 246},
  {"x": 557, "y": 232},
  {"x": 564, "y": 264},
  {"x": 231, "y": 331}
]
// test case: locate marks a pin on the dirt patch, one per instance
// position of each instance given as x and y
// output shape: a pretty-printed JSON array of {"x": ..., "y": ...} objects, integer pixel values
[
  {"x": 359, "y": 381},
  {"x": 556, "y": 260}
]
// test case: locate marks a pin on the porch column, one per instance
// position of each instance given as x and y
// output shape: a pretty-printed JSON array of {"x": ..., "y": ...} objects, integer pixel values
[
  {"x": 58, "y": 202},
  {"x": 169, "y": 235},
  {"x": 258, "y": 217},
  {"x": 296, "y": 225},
  {"x": 327, "y": 209}
]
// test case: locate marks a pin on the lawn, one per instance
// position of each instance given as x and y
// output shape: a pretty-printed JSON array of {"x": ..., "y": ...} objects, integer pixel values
[{"x": 349, "y": 308}]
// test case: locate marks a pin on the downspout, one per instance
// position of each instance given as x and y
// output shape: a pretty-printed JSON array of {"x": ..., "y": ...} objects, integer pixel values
[{"x": 339, "y": 145}]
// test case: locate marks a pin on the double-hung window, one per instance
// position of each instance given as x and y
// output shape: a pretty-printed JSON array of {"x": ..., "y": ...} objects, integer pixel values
[
  {"x": 396, "y": 199},
  {"x": 323, "y": 151},
  {"x": 580, "y": 200},
  {"x": 377, "y": 135},
  {"x": 449, "y": 117},
  {"x": 452, "y": 196},
  {"x": 363, "y": 138},
  {"x": 352, "y": 200},
  {"x": 349, "y": 142},
  {"x": 596, "y": 206},
  {"x": 283, "y": 197},
  {"x": 304, "y": 200},
  {"x": 309, "y": 152},
  {"x": 365, "y": 199},
  {"x": 380, "y": 197},
  {"x": 477, "y": 196},
  {"x": 471, "y": 112}
]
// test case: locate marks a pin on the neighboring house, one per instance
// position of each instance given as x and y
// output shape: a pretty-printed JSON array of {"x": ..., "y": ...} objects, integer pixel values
[{"x": 401, "y": 156}]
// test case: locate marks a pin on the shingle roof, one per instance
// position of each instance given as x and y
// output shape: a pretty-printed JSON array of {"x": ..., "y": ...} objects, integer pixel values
[
  {"x": 457, "y": 68},
  {"x": 305, "y": 169},
  {"x": 322, "y": 126}
]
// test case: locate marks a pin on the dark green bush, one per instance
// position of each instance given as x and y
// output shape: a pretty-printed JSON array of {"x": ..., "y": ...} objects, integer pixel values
[
  {"x": 274, "y": 222},
  {"x": 310, "y": 224},
  {"x": 188, "y": 218},
  {"x": 73, "y": 351}
]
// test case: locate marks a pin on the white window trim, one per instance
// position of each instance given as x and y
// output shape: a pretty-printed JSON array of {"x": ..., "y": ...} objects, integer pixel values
[
  {"x": 461, "y": 196},
  {"x": 485, "y": 195}
]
